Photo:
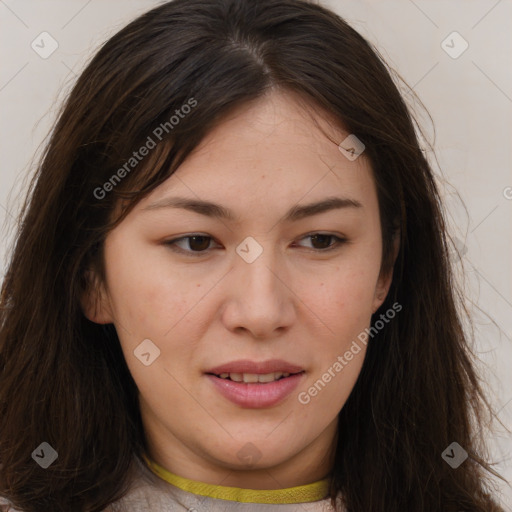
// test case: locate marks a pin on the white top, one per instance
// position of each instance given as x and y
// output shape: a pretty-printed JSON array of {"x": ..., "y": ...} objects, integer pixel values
[{"x": 151, "y": 491}]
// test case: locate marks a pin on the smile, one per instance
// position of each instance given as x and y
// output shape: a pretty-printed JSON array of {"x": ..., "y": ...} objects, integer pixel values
[
  {"x": 254, "y": 377},
  {"x": 255, "y": 384}
]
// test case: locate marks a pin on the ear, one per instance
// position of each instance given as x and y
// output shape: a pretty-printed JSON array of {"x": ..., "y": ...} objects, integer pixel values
[
  {"x": 95, "y": 301},
  {"x": 384, "y": 281}
]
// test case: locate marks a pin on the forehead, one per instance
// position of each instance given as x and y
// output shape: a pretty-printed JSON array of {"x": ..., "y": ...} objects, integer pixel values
[{"x": 277, "y": 149}]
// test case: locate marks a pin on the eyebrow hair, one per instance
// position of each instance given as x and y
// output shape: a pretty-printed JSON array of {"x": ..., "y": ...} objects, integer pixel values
[{"x": 214, "y": 210}]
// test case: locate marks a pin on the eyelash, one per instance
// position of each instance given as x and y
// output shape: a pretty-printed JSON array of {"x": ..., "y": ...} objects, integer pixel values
[{"x": 172, "y": 244}]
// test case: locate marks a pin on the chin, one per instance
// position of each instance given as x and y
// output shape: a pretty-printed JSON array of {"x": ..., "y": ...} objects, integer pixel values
[{"x": 249, "y": 457}]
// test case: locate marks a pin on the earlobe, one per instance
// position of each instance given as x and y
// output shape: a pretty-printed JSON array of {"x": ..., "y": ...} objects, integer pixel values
[
  {"x": 94, "y": 300},
  {"x": 381, "y": 291},
  {"x": 384, "y": 282}
]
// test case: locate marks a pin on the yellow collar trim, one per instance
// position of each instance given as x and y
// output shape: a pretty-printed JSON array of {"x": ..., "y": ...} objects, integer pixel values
[{"x": 300, "y": 494}]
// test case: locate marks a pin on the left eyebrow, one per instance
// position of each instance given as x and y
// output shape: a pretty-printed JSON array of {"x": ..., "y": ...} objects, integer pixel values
[{"x": 214, "y": 210}]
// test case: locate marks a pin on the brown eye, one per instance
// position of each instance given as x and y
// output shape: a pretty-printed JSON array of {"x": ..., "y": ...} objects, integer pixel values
[
  {"x": 321, "y": 241},
  {"x": 193, "y": 245},
  {"x": 199, "y": 243}
]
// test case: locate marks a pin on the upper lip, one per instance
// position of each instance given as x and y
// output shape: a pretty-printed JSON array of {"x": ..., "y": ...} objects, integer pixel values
[{"x": 258, "y": 368}]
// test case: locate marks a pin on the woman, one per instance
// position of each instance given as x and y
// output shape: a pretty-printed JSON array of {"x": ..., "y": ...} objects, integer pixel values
[{"x": 174, "y": 336}]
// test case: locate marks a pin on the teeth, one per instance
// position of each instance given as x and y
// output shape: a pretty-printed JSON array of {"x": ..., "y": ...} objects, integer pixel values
[
  {"x": 268, "y": 377},
  {"x": 253, "y": 377}
]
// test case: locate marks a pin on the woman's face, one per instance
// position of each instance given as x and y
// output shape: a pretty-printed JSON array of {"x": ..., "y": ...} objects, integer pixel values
[{"x": 256, "y": 293}]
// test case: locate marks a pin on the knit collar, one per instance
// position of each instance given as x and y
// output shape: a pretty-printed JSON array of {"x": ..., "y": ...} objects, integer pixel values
[{"x": 300, "y": 494}]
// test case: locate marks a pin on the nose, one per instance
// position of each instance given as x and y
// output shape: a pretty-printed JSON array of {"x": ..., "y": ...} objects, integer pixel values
[{"x": 260, "y": 298}]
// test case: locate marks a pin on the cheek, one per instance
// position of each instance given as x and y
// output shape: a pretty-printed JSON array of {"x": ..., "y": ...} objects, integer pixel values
[
  {"x": 330, "y": 388},
  {"x": 343, "y": 298},
  {"x": 151, "y": 300},
  {"x": 147, "y": 298},
  {"x": 343, "y": 305}
]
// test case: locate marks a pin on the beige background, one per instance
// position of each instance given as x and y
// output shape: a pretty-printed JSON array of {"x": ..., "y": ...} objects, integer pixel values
[{"x": 469, "y": 98}]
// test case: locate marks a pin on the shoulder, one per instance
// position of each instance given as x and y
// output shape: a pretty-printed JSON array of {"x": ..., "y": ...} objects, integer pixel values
[{"x": 148, "y": 493}]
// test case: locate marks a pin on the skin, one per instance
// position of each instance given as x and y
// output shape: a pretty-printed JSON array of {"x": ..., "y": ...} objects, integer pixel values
[{"x": 291, "y": 303}]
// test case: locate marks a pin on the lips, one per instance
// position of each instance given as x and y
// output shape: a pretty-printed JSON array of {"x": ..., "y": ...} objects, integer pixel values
[
  {"x": 252, "y": 367},
  {"x": 255, "y": 377},
  {"x": 256, "y": 385}
]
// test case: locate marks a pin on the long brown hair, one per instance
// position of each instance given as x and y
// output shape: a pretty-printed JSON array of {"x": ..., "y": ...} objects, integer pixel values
[{"x": 63, "y": 379}]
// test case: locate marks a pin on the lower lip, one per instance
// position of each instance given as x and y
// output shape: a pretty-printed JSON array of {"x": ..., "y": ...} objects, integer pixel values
[{"x": 256, "y": 395}]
